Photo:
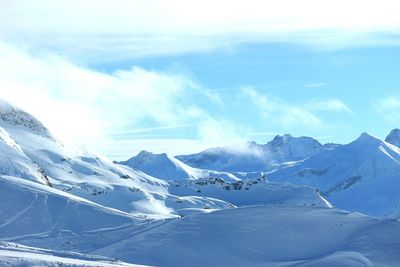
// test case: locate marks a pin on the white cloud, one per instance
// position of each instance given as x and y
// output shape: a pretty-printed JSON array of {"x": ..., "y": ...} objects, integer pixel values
[
  {"x": 130, "y": 28},
  {"x": 328, "y": 105},
  {"x": 291, "y": 115},
  {"x": 80, "y": 104}
]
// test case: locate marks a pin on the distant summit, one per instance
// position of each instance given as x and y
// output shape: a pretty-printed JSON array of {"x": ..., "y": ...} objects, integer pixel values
[
  {"x": 394, "y": 137},
  {"x": 165, "y": 167},
  {"x": 256, "y": 157}
]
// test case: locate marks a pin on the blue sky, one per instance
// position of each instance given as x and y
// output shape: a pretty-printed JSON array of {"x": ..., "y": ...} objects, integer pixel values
[
  {"x": 179, "y": 76},
  {"x": 294, "y": 75}
]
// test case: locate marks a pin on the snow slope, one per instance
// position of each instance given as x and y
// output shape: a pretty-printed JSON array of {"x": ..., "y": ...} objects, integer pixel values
[
  {"x": 14, "y": 162},
  {"x": 254, "y": 157},
  {"x": 266, "y": 236},
  {"x": 29, "y": 208},
  {"x": 19, "y": 255},
  {"x": 168, "y": 168},
  {"x": 362, "y": 176}
]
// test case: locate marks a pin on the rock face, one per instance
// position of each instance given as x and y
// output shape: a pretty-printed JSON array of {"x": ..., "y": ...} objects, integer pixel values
[{"x": 394, "y": 137}]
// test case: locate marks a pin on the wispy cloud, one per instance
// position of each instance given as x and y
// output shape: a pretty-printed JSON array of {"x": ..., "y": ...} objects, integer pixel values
[
  {"x": 132, "y": 28},
  {"x": 149, "y": 130},
  {"x": 291, "y": 115},
  {"x": 328, "y": 105}
]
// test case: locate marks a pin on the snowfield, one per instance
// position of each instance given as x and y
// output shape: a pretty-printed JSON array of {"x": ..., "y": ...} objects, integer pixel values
[
  {"x": 59, "y": 207},
  {"x": 266, "y": 236}
]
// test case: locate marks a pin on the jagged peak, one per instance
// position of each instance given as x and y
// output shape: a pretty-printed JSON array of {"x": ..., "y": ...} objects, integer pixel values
[
  {"x": 287, "y": 138},
  {"x": 280, "y": 138},
  {"x": 145, "y": 155}
]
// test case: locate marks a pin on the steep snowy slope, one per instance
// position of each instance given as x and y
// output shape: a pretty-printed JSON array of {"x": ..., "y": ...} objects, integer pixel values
[
  {"x": 361, "y": 176},
  {"x": 12, "y": 254},
  {"x": 254, "y": 157},
  {"x": 13, "y": 161},
  {"x": 266, "y": 236},
  {"x": 394, "y": 137},
  {"x": 168, "y": 168}
]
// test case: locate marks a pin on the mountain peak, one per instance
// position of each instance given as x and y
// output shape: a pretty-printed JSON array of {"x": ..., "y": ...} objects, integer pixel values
[
  {"x": 145, "y": 153},
  {"x": 282, "y": 138},
  {"x": 17, "y": 117},
  {"x": 394, "y": 137},
  {"x": 366, "y": 139}
]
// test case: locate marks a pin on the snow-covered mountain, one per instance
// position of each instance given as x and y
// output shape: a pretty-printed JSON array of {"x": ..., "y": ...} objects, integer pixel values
[
  {"x": 361, "y": 176},
  {"x": 67, "y": 206},
  {"x": 394, "y": 137},
  {"x": 28, "y": 150},
  {"x": 254, "y": 157},
  {"x": 165, "y": 167}
]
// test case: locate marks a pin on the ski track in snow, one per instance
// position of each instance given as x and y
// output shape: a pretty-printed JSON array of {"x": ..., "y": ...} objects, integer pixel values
[
  {"x": 140, "y": 231},
  {"x": 19, "y": 214}
]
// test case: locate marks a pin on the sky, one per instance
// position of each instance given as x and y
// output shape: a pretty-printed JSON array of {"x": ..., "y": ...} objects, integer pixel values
[{"x": 181, "y": 76}]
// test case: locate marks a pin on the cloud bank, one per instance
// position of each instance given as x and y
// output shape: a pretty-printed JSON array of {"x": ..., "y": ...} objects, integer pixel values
[{"x": 108, "y": 30}]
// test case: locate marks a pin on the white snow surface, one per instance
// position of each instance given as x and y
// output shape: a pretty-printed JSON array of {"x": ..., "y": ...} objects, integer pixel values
[
  {"x": 12, "y": 254},
  {"x": 266, "y": 236}
]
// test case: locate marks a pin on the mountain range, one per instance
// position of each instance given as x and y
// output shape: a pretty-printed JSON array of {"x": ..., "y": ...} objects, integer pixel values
[{"x": 274, "y": 204}]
